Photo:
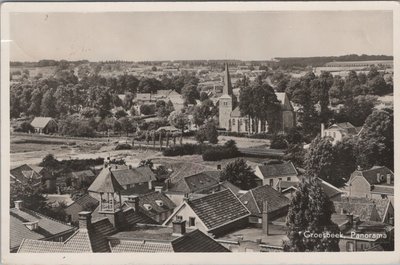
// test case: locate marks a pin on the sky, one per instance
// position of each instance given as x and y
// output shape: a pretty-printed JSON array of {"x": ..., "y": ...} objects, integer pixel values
[{"x": 138, "y": 36}]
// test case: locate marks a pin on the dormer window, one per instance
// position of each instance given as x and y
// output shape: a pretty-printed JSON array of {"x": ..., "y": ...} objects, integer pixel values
[
  {"x": 160, "y": 203},
  {"x": 33, "y": 226},
  {"x": 148, "y": 207}
]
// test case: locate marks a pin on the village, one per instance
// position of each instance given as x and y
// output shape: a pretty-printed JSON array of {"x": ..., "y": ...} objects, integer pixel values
[{"x": 201, "y": 156}]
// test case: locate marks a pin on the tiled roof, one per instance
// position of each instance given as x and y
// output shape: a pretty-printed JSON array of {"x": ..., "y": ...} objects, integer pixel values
[
  {"x": 105, "y": 182},
  {"x": 86, "y": 200},
  {"x": 143, "y": 96},
  {"x": 259, "y": 195},
  {"x": 133, "y": 175},
  {"x": 330, "y": 190},
  {"x": 363, "y": 210},
  {"x": 137, "y": 189},
  {"x": 227, "y": 185},
  {"x": 24, "y": 172},
  {"x": 130, "y": 217},
  {"x": 197, "y": 241},
  {"x": 194, "y": 183},
  {"x": 139, "y": 246},
  {"x": 151, "y": 199},
  {"x": 219, "y": 208},
  {"x": 277, "y": 170},
  {"x": 159, "y": 239},
  {"x": 47, "y": 226},
  {"x": 371, "y": 175},
  {"x": 184, "y": 169},
  {"x": 83, "y": 240},
  {"x": 40, "y": 122}
]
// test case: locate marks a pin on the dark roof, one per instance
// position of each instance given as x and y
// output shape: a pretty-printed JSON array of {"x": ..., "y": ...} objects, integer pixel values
[
  {"x": 371, "y": 175},
  {"x": 47, "y": 226},
  {"x": 255, "y": 198},
  {"x": 363, "y": 209},
  {"x": 82, "y": 175},
  {"x": 219, "y": 208},
  {"x": 277, "y": 170},
  {"x": 345, "y": 126},
  {"x": 85, "y": 200},
  {"x": 152, "y": 199},
  {"x": 41, "y": 122},
  {"x": 129, "y": 215},
  {"x": 194, "y": 183},
  {"x": 133, "y": 175},
  {"x": 105, "y": 182},
  {"x": 154, "y": 239},
  {"x": 137, "y": 189},
  {"x": 83, "y": 240},
  {"x": 389, "y": 190},
  {"x": 227, "y": 185},
  {"x": 25, "y": 172}
]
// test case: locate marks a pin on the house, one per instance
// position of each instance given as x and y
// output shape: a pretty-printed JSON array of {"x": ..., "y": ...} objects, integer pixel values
[
  {"x": 159, "y": 239},
  {"x": 83, "y": 203},
  {"x": 44, "y": 125},
  {"x": 378, "y": 210},
  {"x": 257, "y": 199},
  {"x": 156, "y": 205},
  {"x": 232, "y": 119},
  {"x": 34, "y": 176},
  {"x": 26, "y": 224},
  {"x": 215, "y": 214},
  {"x": 81, "y": 178},
  {"x": 132, "y": 180},
  {"x": 270, "y": 174},
  {"x": 358, "y": 235},
  {"x": 376, "y": 182},
  {"x": 338, "y": 131},
  {"x": 289, "y": 188},
  {"x": 101, "y": 236}
]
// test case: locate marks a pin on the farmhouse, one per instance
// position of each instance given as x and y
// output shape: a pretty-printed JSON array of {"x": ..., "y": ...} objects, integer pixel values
[
  {"x": 270, "y": 174},
  {"x": 338, "y": 131},
  {"x": 44, "y": 125}
]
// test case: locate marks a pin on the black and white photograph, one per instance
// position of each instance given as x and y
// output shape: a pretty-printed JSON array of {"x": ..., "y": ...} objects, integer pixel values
[{"x": 186, "y": 129}]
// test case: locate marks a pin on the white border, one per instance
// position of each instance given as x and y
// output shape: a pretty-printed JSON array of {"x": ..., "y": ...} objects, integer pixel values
[{"x": 232, "y": 258}]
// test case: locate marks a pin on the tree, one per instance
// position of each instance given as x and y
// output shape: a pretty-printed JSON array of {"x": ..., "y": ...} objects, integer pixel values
[
  {"x": 48, "y": 106},
  {"x": 377, "y": 86},
  {"x": 375, "y": 145},
  {"x": 310, "y": 212},
  {"x": 344, "y": 158},
  {"x": 147, "y": 109},
  {"x": 356, "y": 109},
  {"x": 120, "y": 114},
  {"x": 207, "y": 132},
  {"x": 25, "y": 127},
  {"x": 239, "y": 174},
  {"x": 146, "y": 163},
  {"x": 320, "y": 161},
  {"x": 179, "y": 120},
  {"x": 126, "y": 125},
  {"x": 190, "y": 93},
  {"x": 295, "y": 153},
  {"x": 203, "y": 96}
]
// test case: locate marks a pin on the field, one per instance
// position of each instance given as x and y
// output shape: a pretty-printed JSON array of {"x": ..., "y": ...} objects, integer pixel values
[{"x": 31, "y": 149}]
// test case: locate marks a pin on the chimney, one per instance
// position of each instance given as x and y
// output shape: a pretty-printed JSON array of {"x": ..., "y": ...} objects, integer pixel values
[
  {"x": 158, "y": 188},
  {"x": 388, "y": 179},
  {"x": 132, "y": 199},
  {"x": 359, "y": 168},
  {"x": 265, "y": 218},
  {"x": 350, "y": 219},
  {"x": 130, "y": 166},
  {"x": 150, "y": 185},
  {"x": 186, "y": 197},
  {"x": 178, "y": 227},
  {"x": 18, "y": 205},
  {"x": 85, "y": 220},
  {"x": 219, "y": 167},
  {"x": 322, "y": 129}
]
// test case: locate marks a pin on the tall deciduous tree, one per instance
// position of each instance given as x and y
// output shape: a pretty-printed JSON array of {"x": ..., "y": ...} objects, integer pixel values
[
  {"x": 179, "y": 120},
  {"x": 310, "y": 212},
  {"x": 239, "y": 174}
]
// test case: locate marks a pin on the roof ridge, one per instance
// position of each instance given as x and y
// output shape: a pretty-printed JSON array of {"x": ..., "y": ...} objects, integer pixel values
[{"x": 208, "y": 195}]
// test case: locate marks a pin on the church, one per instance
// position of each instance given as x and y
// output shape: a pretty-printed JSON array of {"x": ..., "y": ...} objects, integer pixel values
[{"x": 233, "y": 120}]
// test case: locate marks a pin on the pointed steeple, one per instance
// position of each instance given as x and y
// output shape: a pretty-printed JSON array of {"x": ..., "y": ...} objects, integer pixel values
[{"x": 227, "y": 82}]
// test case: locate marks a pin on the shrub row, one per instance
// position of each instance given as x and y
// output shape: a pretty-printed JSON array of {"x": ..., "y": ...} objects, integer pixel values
[
  {"x": 185, "y": 149},
  {"x": 219, "y": 152}
]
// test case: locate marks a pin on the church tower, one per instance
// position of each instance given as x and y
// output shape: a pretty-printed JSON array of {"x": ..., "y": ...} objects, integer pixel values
[{"x": 225, "y": 102}]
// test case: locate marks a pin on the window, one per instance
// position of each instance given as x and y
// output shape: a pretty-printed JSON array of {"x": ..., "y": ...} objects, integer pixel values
[
  {"x": 289, "y": 178},
  {"x": 271, "y": 182},
  {"x": 233, "y": 121},
  {"x": 178, "y": 218},
  {"x": 350, "y": 246},
  {"x": 192, "y": 221},
  {"x": 334, "y": 134},
  {"x": 280, "y": 178}
]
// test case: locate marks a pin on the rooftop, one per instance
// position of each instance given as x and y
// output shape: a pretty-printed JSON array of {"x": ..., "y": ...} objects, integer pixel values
[
  {"x": 276, "y": 170},
  {"x": 219, "y": 208},
  {"x": 40, "y": 122}
]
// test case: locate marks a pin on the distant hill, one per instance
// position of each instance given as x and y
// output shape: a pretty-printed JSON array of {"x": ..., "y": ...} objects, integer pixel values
[{"x": 320, "y": 61}]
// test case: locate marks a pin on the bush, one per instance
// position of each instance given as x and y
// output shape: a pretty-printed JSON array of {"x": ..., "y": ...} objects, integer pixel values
[
  {"x": 228, "y": 150},
  {"x": 186, "y": 149},
  {"x": 25, "y": 127},
  {"x": 123, "y": 147},
  {"x": 279, "y": 142}
]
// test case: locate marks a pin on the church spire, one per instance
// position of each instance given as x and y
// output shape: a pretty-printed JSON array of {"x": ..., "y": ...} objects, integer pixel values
[{"x": 227, "y": 82}]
